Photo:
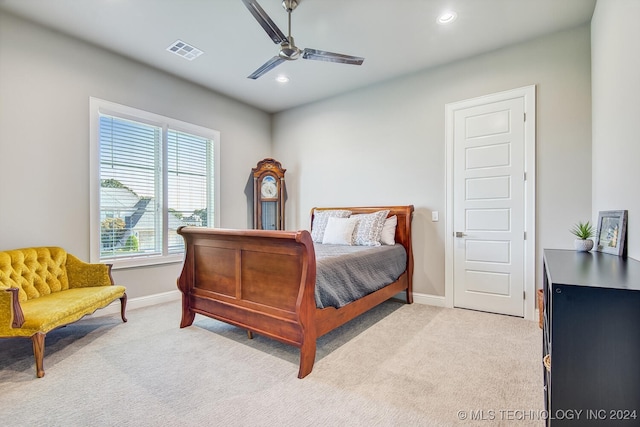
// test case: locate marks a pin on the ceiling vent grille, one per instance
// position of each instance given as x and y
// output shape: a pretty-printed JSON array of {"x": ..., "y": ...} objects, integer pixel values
[{"x": 185, "y": 50}]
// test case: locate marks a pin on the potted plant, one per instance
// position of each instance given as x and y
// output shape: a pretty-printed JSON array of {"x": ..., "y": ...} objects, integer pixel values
[{"x": 583, "y": 232}]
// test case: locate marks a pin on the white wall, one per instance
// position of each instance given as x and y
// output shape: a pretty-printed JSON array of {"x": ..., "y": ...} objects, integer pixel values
[
  {"x": 46, "y": 80},
  {"x": 385, "y": 144},
  {"x": 615, "y": 47},
  {"x": 380, "y": 145}
]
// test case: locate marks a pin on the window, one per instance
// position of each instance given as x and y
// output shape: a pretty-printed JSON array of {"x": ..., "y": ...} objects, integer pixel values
[{"x": 151, "y": 175}]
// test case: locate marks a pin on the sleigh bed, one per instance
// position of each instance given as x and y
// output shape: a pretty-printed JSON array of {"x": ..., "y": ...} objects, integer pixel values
[{"x": 265, "y": 281}]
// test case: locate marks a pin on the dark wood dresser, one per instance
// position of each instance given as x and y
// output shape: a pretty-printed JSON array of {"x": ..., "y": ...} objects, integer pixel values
[{"x": 591, "y": 339}]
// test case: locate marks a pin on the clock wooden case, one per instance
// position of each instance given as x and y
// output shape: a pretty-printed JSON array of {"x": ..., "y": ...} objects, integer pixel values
[{"x": 268, "y": 195}]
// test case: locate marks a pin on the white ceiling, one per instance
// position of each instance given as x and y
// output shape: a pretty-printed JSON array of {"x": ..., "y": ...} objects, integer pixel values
[{"x": 396, "y": 37}]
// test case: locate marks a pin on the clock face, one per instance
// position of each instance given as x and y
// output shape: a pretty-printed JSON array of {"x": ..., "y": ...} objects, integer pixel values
[{"x": 269, "y": 189}]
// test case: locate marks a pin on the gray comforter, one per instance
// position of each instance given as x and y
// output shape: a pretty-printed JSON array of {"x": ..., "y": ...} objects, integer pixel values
[{"x": 347, "y": 273}]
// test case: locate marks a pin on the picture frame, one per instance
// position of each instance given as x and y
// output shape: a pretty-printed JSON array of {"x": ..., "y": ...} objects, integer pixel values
[{"x": 612, "y": 232}]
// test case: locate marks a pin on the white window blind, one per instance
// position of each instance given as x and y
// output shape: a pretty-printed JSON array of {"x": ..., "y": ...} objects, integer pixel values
[
  {"x": 189, "y": 186},
  {"x": 130, "y": 188},
  {"x": 155, "y": 174}
]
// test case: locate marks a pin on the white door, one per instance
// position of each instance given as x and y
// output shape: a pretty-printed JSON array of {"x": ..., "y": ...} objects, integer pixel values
[{"x": 488, "y": 209}]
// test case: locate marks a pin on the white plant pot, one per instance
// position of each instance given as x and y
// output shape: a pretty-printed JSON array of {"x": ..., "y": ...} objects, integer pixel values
[{"x": 583, "y": 245}]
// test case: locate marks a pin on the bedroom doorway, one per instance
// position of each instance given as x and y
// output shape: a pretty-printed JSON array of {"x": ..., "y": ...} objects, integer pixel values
[{"x": 490, "y": 248}]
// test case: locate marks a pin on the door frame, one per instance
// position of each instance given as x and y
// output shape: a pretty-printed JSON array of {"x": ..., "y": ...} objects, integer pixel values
[{"x": 528, "y": 93}]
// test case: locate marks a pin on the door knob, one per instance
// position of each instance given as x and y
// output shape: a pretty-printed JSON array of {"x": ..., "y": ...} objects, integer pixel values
[{"x": 460, "y": 234}]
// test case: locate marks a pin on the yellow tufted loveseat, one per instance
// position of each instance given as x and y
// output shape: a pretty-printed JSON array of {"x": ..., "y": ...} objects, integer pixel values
[{"x": 45, "y": 287}]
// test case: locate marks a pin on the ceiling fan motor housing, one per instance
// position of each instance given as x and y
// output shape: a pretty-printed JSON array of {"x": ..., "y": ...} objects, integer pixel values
[
  {"x": 288, "y": 50},
  {"x": 289, "y": 5}
]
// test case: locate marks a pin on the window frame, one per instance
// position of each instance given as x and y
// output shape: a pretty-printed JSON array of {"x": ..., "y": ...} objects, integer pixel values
[{"x": 99, "y": 107}]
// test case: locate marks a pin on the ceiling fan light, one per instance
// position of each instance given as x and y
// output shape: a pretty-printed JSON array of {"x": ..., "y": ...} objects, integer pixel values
[{"x": 447, "y": 17}]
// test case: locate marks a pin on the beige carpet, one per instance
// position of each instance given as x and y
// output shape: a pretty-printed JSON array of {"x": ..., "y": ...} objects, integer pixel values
[{"x": 395, "y": 365}]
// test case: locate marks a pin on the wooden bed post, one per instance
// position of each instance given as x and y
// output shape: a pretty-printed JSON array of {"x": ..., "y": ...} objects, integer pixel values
[
  {"x": 306, "y": 306},
  {"x": 307, "y": 356},
  {"x": 188, "y": 315},
  {"x": 185, "y": 284}
]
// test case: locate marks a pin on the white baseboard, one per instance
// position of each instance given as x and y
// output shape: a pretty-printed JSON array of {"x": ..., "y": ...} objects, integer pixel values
[
  {"x": 439, "y": 301},
  {"x": 423, "y": 299},
  {"x": 133, "y": 303},
  {"x": 427, "y": 299}
]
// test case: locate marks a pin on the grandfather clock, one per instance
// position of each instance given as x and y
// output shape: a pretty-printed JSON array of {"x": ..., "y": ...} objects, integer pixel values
[{"x": 268, "y": 195}]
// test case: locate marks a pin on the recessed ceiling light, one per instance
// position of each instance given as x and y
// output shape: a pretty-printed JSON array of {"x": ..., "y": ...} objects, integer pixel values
[
  {"x": 447, "y": 17},
  {"x": 185, "y": 50},
  {"x": 282, "y": 79}
]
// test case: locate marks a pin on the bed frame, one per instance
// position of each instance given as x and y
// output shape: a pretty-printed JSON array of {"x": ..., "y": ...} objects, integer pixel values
[{"x": 264, "y": 281}]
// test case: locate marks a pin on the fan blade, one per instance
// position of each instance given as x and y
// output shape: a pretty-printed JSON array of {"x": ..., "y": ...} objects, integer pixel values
[
  {"x": 263, "y": 19},
  {"x": 321, "y": 55},
  {"x": 268, "y": 66}
]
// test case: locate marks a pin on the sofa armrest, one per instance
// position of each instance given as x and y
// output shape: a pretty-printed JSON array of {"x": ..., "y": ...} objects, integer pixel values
[
  {"x": 83, "y": 275},
  {"x": 10, "y": 310}
]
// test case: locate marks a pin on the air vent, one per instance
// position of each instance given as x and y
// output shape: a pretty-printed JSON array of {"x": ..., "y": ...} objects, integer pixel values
[{"x": 185, "y": 50}]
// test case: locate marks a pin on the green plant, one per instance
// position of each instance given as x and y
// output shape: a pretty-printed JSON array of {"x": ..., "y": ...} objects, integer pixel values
[
  {"x": 132, "y": 244},
  {"x": 583, "y": 230}
]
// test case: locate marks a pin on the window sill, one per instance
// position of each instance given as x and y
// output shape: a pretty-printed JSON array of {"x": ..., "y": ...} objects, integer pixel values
[{"x": 120, "y": 264}]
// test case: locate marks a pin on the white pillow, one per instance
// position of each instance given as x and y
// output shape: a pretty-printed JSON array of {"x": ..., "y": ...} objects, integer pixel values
[
  {"x": 320, "y": 219},
  {"x": 339, "y": 231},
  {"x": 369, "y": 228},
  {"x": 388, "y": 235}
]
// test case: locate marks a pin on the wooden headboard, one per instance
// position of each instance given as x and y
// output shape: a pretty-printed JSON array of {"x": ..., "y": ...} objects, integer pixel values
[
  {"x": 404, "y": 214},
  {"x": 403, "y": 229}
]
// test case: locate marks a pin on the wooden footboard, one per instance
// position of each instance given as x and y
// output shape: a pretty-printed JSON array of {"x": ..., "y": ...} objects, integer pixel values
[{"x": 264, "y": 281}]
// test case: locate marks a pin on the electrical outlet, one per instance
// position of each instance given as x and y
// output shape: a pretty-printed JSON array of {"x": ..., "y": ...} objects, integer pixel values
[{"x": 434, "y": 216}]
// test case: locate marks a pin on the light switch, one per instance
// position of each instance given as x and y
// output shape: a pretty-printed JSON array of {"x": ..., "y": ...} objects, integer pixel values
[{"x": 434, "y": 216}]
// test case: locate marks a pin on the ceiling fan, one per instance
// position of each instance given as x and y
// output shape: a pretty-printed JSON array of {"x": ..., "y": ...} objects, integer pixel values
[{"x": 288, "y": 50}]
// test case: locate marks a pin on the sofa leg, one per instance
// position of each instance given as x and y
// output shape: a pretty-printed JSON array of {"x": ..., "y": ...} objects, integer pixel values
[
  {"x": 123, "y": 306},
  {"x": 38, "y": 352}
]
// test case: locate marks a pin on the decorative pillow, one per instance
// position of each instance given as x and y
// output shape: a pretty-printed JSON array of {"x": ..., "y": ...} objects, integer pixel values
[
  {"x": 388, "y": 235},
  {"x": 339, "y": 231},
  {"x": 369, "y": 228},
  {"x": 320, "y": 219}
]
